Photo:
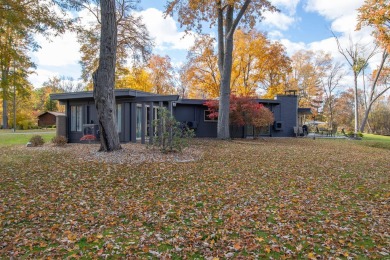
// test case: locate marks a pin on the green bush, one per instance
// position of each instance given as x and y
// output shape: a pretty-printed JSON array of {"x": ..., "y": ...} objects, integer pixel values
[
  {"x": 352, "y": 134},
  {"x": 37, "y": 140},
  {"x": 172, "y": 137},
  {"x": 59, "y": 140}
]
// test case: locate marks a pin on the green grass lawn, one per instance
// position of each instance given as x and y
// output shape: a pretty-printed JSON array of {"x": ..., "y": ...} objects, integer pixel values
[
  {"x": 7, "y": 137},
  {"x": 245, "y": 199},
  {"x": 378, "y": 141}
]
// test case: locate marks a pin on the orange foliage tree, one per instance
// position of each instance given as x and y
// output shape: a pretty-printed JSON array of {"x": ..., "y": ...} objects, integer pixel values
[
  {"x": 257, "y": 63},
  {"x": 376, "y": 13},
  {"x": 161, "y": 74},
  {"x": 243, "y": 111}
]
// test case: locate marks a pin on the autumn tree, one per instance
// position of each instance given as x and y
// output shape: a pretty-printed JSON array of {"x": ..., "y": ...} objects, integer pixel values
[
  {"x": 200, "y": 71},
  {"x": 379, "y": 117},
  {"x": 380, "y": 83},
  {"x": 138, "y": 78},
  {"x": 134, "y": 44},
  {"x": 19, "y": 20},
  {"x": 278, "y": 67},
  {"x": 307, "y": 70},
  {"x": 330, "y": 81},
  {"x": 161, "y": 74},
  {"x": 257, "y": 64},
  {"x": 376, "y": 14},
  {"x": 227, "y": 15},
  {"x": 343, "y": 109}
]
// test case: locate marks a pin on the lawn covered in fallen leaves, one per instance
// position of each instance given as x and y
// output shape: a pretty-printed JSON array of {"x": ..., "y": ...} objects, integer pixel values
[{"x": 292, "y": 198}]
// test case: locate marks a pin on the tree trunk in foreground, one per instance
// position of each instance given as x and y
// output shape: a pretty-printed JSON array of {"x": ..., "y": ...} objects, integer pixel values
[{"x": 104, "y": 78}]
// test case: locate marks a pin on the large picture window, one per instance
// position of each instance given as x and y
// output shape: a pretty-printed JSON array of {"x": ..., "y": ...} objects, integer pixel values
[{"x": 76, "y": 113}]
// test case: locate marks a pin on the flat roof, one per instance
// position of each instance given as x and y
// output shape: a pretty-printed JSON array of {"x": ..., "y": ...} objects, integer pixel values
[
  {"x": 201, "y": 101},
  {"x": 119, "y": 93}
]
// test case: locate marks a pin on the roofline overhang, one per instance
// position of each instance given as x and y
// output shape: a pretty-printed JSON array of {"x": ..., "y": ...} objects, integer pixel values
[{"x": 119, "y": 93}]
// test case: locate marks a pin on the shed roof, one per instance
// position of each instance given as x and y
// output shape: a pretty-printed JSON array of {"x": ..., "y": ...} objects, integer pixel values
[{"x": 51, "y": 112}]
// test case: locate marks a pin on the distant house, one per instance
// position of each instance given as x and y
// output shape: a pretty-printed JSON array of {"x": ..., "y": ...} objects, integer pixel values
[
  {"x": 136, "y": 111},
  {"x": 48, "y": 118}
]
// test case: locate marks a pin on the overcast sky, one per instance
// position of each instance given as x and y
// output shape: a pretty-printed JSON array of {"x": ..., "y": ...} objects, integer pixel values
[{"x": 301, "y": 24}]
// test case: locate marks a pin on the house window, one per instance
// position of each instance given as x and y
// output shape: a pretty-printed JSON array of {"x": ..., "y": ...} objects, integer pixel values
[
  {"x": 119, "y": 118},
  {"x": 76, "y": 118},
  {"x": 207, "y": 117}
]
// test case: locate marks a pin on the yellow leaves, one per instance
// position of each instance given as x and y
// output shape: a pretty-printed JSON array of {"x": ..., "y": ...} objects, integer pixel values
[
  {"x": 267, "y": 249},
  {"x": 72, "y": 237},
  {"x": 311, "y": 256},
  {"x": 259, "y": 239},
  {"x": 237, "y": 246}
]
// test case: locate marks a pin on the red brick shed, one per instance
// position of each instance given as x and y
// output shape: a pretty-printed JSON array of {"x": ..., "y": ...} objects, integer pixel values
[{"x": 48, "y": 118}]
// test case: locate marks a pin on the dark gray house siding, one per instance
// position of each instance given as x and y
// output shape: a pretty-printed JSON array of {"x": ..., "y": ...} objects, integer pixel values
[
  {"x": 285, "y": 114},
  {"x": 192, "y": 113},
  {"x": 137, "y": 111}
]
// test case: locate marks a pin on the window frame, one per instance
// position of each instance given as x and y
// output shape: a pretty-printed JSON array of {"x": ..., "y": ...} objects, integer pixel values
[
  {"x": 208, "y": 120},
  {"x": 76, "y": 118}
]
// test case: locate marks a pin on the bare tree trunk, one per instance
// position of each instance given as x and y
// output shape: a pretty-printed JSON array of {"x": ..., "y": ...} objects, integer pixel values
[
  {"x": 374, "y": 97},
  {"x": 356, "y": 106},
  {"x": 104, "y": 78},
  {"x": 5, "y": 113},
  {"x": 5, "y": 105}
]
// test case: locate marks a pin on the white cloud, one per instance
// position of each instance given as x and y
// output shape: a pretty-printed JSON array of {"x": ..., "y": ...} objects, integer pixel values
[
  {"x": 332, "y": 9},
  {"x": 278, "y": 20},
  {"x": 289, "y": 5},
  {"x": 40, "y": 76},
  {"x": 58, "y": 51},
  {"x": 273, "y": 35},
  {"x": 165, "y": 32},
  {"x": 292, "y": 47}
]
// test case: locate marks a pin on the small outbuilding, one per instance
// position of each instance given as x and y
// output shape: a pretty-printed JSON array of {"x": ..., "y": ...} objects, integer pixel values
[{"x": 48, "y": 118}]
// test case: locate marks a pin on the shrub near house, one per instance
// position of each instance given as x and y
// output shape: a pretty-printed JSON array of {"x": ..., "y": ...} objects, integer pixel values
[{"x": 244, "y": 111}]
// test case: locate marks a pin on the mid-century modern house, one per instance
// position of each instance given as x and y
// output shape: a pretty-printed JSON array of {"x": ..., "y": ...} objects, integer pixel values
[{"x": 136, "y": 110}]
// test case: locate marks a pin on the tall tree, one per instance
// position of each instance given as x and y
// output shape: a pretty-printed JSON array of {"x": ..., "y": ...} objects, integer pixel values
[
  {"x": 257, "y": 63},
  {"x": 134, "y": 42},
  {"x": 307, "y": 70},
  {"x": 330, "y": 82},
  {"x": 104, "y": 78},
  {"x": 376, "y": 13},
  {"x": 381, "y": 78},
  {"x": 357, "y": 57},
  {"x": 19, "y": 19},
  {"x": 226, "y": 14}
]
